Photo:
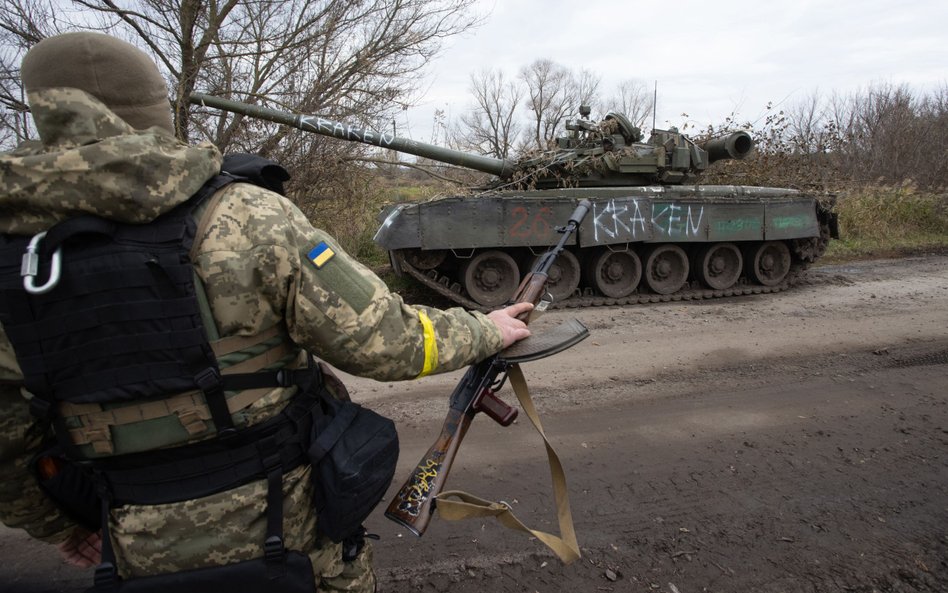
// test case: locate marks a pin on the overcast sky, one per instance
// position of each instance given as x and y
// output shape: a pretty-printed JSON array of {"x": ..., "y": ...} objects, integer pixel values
[{"x": 710, "y": 58}]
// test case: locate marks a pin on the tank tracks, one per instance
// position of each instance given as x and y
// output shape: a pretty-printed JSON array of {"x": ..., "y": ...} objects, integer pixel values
[{"x": 451, "y": 290}]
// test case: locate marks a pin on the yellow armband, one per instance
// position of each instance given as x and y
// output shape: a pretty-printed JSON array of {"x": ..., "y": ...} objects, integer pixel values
[{"x": 431, "y": 345}]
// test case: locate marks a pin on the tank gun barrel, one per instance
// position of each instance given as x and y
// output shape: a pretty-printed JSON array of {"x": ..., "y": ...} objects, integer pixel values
[
  {"x": 319, "y": 125},
  {"x": 733, "y": 146}
]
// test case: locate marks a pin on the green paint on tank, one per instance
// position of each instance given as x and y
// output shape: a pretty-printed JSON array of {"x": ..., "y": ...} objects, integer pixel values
[{"x": 735, "y": 226}]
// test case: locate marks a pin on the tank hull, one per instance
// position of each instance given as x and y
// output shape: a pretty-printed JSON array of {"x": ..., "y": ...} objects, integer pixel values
[{"x": 680, "y": 237}]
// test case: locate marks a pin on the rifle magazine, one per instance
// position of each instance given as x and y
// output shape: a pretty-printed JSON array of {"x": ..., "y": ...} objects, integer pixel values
[{"x": 546, "y": 343}]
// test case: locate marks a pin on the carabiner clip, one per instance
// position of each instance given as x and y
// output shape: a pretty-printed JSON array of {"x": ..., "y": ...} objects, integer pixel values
[{"x": 30, "y": 267}]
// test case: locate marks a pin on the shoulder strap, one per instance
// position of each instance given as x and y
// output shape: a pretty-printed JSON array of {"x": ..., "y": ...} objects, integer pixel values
[
  {"x": 210, "y": 193},
  {"x": 454, "y": 505},
  {"x": 56, "y": 235},
  {"x": 257, "y": 170}
]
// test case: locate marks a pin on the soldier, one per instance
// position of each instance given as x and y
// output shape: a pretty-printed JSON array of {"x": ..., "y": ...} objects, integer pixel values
[{"x": 277, "y": 290}]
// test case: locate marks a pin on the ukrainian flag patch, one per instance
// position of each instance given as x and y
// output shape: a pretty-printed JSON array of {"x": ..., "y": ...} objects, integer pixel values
[{"x": 321, "y": 254}]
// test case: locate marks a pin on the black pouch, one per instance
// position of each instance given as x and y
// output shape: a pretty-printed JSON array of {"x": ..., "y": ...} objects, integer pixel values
[
  {"x": 353, "y": 454},
  {"x": 69, "y": 485},
  {"x": 292, "y": 574}
]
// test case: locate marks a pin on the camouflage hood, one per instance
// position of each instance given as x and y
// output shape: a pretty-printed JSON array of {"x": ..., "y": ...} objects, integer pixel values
[{"x": 91, "y": 162}]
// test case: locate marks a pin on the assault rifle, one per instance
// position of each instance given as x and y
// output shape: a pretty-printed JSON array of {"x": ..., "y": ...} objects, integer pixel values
[{"x": 415, "y": 502}]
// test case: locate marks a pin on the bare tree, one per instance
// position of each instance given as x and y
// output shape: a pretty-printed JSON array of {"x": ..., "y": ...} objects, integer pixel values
[
  {"x": 491, "y": 127},
  {"x": 358, "y": 60},
  {"x": 807, "y": 125},
  {"x": 934, "y": 134},
  {"x": 553, "y": 93},
  {"x": 336, "y": 57},
  {"x": 583, "y": 89},
  {"x": 886, "y": 134},
  {"x": 22, "y": 23},
  {"x": 546, "y": 98},
  {"x": 346, "y": 57},
  {"x": 634, "y": 100},
  {"x": 879, "y": 134}
]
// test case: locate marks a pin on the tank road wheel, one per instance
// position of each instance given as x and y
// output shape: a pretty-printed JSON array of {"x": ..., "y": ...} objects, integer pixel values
[
  {"x": 615, "y": 274},
  {"x": 718, "y": 265},
  {"x": 564, "y": 276},
  {"x": 770, "y": 263},
  {"x": 490, "y": 277},
  {"x": 666, "y": 269}
]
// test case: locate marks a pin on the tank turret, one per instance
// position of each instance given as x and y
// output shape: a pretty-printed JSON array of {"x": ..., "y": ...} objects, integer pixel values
[
  {"x": 650, "y": 235},
  {"x": 611, "y": 153}
]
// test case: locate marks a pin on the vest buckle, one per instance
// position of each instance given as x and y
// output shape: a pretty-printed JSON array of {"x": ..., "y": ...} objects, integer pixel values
[
  {"x": 273, "y": 549},
  {"x": 105, "y": 575}
]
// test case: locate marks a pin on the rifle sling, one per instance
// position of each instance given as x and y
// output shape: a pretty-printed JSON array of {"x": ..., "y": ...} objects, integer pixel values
[{"x": 454, "y": 505}]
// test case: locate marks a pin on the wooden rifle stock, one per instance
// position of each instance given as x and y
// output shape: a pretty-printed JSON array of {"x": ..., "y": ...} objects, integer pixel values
[{"x": 413, "y": 504}]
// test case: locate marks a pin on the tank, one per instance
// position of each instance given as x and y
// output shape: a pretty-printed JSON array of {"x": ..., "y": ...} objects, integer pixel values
[{"x": 653, "y": 234}]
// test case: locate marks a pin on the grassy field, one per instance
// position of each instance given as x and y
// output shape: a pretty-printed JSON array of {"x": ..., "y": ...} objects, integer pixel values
[{"x": 889, "y": 222}]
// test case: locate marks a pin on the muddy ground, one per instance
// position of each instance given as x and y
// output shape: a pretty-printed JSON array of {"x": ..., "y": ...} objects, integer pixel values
[{"x": 795, "y": 442}]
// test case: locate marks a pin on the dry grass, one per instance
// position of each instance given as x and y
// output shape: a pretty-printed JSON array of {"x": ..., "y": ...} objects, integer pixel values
[
  {"x": 889, "y": 221},
  {"x": 886, "y": 213}
]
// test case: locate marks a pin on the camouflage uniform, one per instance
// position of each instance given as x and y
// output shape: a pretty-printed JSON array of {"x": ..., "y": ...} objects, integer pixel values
[{"x": 253, "y": 263}]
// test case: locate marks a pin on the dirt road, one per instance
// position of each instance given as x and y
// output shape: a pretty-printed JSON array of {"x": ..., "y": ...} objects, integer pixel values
[{"x": 780, "y": 443}]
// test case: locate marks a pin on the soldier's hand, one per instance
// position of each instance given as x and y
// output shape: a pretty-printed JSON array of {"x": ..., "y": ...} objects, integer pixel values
[
  {"x": 511, "y": 328},
  {"x": 82, "y": 549}
]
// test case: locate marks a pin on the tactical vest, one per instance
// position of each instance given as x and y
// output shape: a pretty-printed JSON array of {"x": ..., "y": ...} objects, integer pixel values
[
  {"x": 107, "y": 321},
  {"x": 121, "y": 317}
]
